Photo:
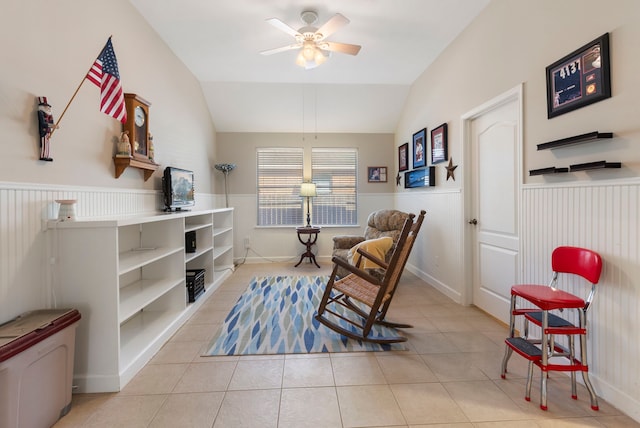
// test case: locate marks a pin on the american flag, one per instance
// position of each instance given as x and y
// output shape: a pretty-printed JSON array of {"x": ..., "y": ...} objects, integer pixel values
[{"x": 104, "y": 74}]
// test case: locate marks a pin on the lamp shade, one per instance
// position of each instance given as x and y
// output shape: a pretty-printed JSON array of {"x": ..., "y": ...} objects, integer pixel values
[{"x": 308, "y": 189}]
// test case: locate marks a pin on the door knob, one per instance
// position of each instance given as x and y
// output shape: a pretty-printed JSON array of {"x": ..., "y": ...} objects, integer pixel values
[{"x": 473, "y": 221}]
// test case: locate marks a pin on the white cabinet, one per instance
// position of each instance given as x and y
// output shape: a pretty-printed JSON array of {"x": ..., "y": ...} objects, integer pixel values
[{"x": 126, "y": 276}]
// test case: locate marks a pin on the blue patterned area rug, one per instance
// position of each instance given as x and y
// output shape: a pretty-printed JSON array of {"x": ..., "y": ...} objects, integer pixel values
[{"x": 275, "y": 315}]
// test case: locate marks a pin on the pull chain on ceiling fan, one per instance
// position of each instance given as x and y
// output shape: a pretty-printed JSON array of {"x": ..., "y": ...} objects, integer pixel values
[{"x": 314, "y": 48}]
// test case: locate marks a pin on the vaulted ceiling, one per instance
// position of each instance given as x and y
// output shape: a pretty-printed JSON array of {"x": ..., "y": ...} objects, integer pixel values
[{"x": 220, "y": 42}]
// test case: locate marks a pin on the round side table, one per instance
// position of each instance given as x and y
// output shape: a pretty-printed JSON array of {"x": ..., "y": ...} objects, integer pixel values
[{"x": 312, "y": 236}]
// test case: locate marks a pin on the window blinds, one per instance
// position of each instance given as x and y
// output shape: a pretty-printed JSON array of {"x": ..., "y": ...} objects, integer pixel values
[
  {"x": 334, "y": 170},
  {"x": 279, "y": 173}
]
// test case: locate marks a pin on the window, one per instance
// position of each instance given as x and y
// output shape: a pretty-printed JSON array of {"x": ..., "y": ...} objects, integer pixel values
[
  {"x": 334, "y": 170},
  {"x": 280, "y": 172}
]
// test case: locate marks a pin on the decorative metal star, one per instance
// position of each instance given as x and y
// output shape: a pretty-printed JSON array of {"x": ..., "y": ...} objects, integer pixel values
[
  {"x": 450, "y": 170},
  {"x": 398, "y": 179}
]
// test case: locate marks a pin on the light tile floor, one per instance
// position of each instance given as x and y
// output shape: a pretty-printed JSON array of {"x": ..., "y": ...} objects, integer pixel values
[{"x": 450, "y": 377}]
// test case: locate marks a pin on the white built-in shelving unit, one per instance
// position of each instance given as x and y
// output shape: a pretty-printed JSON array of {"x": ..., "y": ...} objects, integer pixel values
[{"x": 126, "y": 276}]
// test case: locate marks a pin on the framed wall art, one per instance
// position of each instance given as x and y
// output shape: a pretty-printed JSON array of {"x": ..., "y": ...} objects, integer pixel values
[
  {"x": 403, "y": 157},
  {"x": 420, "y": 178},
  {"x": 439, "y": 150},
  {"x": 419, "y": 139},
  {"x": 581, "y": 78},
  {"x": 377, "y": 174}
]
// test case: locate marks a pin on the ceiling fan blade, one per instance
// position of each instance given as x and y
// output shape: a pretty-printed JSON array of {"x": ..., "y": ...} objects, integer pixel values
[
  {"x": 336, "y": 22},
  {"x": 284, "y": 27},
  {"x": 345, "y": 48},
  {"x": 282, "y": 49}
]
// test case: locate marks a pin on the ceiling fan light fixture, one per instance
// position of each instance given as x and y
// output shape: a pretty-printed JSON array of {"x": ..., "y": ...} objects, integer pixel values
[
  {"x": 307, "y": 65},
  {"x": 310, "y": 56},
  {"x": 300, "y": 60},
  {"x": 320, "y": 57},
  {"x": 309, "y": 51},
  {"x": 313, "y": 50}
]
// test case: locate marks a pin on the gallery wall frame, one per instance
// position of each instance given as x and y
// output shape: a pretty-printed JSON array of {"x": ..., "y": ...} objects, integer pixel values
[
  {"x": 377, "y": 174},
  {"x": 581, "y": 78},
  {"x": 419, "y": 154},
  {"x": 403, "y": 157},
  {"x": 439, "y": 144},
  {"x": 424, "y": 177}
]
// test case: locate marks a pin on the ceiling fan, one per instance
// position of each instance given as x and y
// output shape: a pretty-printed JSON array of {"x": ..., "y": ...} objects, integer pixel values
[{"x": 314, "y": 48}]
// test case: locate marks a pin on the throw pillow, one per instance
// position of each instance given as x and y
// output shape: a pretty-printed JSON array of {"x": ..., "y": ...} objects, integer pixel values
[{"x": 377, "y": 247}]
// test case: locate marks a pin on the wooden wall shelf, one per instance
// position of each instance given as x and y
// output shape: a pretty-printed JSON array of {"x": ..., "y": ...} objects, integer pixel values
[
  {"x": 578, "y": 139},
  {"x": 122, "y": 163}
]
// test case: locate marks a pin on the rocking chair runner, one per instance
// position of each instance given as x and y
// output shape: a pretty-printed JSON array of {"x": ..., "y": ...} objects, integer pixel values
[{"x": 368, "y": 291}]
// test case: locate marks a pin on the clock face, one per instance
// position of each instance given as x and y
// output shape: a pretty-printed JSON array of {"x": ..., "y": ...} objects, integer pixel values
[{"x": 139, "y": 116}]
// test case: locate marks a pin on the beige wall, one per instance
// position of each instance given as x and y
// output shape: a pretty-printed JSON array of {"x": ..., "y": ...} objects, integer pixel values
[
  {"x": 47, "y": 47},
  {"x": 240, "y": 148},
  {"x": 512, "y": 42}
]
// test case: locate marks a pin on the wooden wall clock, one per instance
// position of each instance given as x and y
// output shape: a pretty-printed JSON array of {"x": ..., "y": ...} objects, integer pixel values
[{"x": 138, "y": 126}]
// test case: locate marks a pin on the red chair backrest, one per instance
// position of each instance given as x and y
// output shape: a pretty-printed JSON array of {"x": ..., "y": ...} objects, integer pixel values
[{"x": 579, "y": 261}]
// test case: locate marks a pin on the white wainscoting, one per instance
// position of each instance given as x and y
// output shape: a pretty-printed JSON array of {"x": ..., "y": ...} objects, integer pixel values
[
  {"x": 437, "y": 253},
  {"x": 600, "y": 216},
  {"x": 604, "y": 218}
]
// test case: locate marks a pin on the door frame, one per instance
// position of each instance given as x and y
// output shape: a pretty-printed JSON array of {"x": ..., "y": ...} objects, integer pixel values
[{"x": 515, "y": 93}]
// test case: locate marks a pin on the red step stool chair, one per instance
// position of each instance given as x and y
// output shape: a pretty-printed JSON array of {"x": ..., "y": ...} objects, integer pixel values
[{"x": 567, "y": 260}]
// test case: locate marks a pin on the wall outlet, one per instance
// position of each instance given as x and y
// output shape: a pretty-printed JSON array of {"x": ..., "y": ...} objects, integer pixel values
[{"x": 247, "y": 242}]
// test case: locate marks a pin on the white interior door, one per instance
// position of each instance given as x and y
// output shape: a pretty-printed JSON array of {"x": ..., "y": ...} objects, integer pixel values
[{"x": 494, "y": 136}]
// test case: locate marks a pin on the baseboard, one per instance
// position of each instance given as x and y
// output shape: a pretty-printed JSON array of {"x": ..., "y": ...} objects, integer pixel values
[{"x": 440, "y": 286}]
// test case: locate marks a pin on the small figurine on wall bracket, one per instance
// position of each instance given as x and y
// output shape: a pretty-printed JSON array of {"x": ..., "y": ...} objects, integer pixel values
[
  {"x": 124, "y": 146},
  {"x": 46, "y": 126}
]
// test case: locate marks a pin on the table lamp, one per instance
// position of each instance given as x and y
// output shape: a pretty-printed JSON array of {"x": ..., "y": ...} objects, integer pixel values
[{"x": 308, "y": 190}]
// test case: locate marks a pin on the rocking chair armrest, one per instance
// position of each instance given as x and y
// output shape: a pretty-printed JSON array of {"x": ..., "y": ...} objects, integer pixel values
[
  {"x": 356, "y": 271},
  {"x": 376, "y": 260}
]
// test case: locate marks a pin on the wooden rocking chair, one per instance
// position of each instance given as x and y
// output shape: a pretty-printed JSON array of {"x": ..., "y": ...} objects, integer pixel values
[{"x": 359, "y": 290}]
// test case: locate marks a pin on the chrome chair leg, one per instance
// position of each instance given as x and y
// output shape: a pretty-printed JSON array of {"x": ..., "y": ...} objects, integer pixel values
[
  {"x": 529, "y": 381},
  {"x": 583, "y": 356}
]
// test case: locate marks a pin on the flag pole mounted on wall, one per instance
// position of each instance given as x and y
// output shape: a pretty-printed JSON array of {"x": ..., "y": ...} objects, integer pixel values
[{"x": 105, "y": 75}]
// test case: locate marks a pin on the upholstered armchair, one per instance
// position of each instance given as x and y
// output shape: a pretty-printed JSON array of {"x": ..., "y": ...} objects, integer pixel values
[{"x": 381, "y": 223}]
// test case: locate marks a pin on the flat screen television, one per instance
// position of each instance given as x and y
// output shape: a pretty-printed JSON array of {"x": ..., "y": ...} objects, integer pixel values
[{"x": 178, "y": 190}]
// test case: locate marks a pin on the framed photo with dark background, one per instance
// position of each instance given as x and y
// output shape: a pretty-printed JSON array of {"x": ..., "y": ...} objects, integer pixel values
[
  {"x": 403, "y": 157},
  {"x": 581, "y": 78},
  {"x": 419, "y": 154},
  {"x": 439, "y": 150}
]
